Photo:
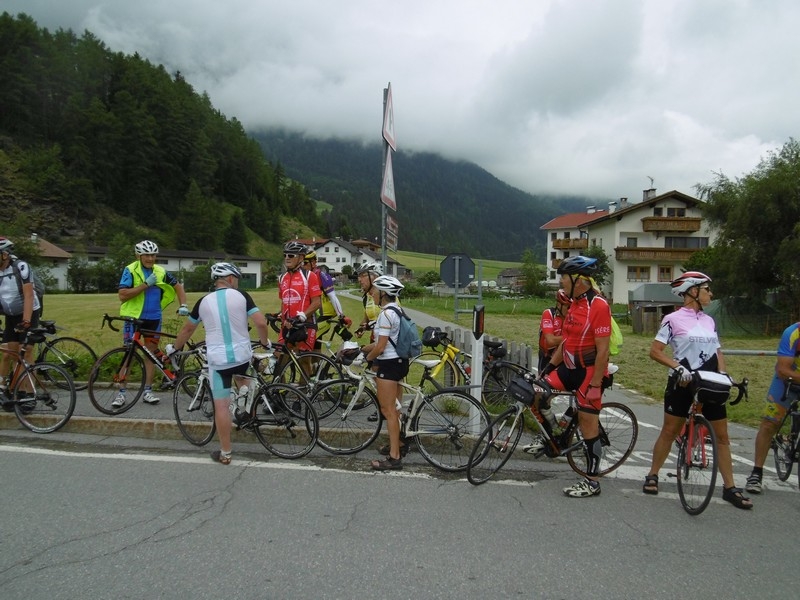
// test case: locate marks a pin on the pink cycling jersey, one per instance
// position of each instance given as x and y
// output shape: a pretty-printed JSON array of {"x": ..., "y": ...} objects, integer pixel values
[{"x": 692, "y": 336}]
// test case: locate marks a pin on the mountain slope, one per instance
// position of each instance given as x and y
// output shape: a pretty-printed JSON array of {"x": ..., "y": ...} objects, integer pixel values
[{"x": 443, "y": 206}]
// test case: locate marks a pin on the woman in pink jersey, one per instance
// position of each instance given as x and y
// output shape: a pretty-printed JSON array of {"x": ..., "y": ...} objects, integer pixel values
[{"x": 692, "y": 335}]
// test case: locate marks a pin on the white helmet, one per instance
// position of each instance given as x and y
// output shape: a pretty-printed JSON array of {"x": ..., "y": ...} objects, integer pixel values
[
  {"x": 388, "y": 284},
  {"x": 687, "y": 281},
  {"x": 146, "y": 247},
  {"x": 223, "y": 269},
  {"x": 370, "y": 268},
  {"x": 6, "y": 245}
]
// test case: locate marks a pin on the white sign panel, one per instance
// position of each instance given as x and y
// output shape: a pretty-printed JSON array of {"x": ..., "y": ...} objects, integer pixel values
[
  {"x": 387, "y": 189},
  {"x": 388, "y": 119}
]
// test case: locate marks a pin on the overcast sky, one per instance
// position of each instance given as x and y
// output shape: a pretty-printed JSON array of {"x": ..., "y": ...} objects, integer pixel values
[{"x": 586, "y": 97}]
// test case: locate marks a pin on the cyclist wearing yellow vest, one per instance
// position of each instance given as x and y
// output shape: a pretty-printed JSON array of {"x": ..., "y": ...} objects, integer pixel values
[{"x": 145, "y": 290}]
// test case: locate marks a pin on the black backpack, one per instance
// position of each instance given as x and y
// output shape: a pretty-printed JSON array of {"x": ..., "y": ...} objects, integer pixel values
[{"x": 38, "y": 284}]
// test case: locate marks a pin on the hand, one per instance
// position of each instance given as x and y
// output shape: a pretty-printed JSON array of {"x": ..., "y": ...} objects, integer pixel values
[
  {"x": 22, "y": 327},
  {"x": 594, "y": 394},
  {"x": 169, "y": 350},
  {"x": 183, "y": 310},
  {"x": 151, "y": 280},
  {"x": 684, "y": 374},
  {"x": 347, "y": 321},
  {"x": 301, "y": 316}
]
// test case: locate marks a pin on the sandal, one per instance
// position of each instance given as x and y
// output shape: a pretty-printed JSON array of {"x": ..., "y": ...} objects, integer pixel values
[
  {"x": 384, "y": 450},
  {"x": 218, "y": 456},
  {"x": 734, "y": 496},
  {"x": 387, "y": 464},
  {"x": 650, "y": 485}
]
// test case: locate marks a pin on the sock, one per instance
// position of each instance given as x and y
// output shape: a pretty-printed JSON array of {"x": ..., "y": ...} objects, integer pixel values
[{"x": 759, "y": 471}]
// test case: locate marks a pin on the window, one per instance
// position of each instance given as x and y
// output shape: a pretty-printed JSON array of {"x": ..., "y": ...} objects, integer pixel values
[
  {"x": 566, "y": 235},
  {"x": 336, "y": 249},
  {"x": 676, "y": 212},
  {"x": 553, "y": 236},
  {"x": 638, "y": 273},
  {"x": 198, "y": 263},
  {"x": 327, "y": 248},
  {"x": 664, "y": 273},
  {"x": 552, "y": 256},
  {"x": 686, "y": 243},
  {"x": 631, "y": 242},
  {"x": 658, "y": 211}
]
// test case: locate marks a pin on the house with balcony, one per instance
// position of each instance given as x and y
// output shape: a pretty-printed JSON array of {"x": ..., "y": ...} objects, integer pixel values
[
  {"x": 567, "y": 236},
  {"x": 646, "y": 241}
]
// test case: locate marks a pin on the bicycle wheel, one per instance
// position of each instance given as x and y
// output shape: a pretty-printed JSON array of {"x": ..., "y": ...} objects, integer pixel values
[
  {"x": 190, "y": 363},
  {"x": 72, "y": 354},
  {"x": 619, "y": 431},
  {"x": 495, "y": 385},
  {"x": 193, "y": 405},
  {"x": 284, "y": 421},
  {"x": 315, "y": 369},
  {"x": 782, "y": 449},
  {"x": 111, "y": 375},
  {"x": 495, "y": 446},
  {"x": 697, "y": 466},
  {"x": 446, "y": 427},
  {"x": 343, "y": 408},
  {"x": 446, "y": 374},
  {"x": 44, "y": 397}
]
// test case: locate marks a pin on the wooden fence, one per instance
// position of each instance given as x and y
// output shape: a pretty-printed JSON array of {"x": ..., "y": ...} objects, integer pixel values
[{"x": 521, "y": 354}]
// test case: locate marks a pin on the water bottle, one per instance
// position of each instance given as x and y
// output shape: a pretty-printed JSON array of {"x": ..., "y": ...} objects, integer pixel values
[
  {"x": 566, "y": 418},
  {"x": 241, "y": 397}
]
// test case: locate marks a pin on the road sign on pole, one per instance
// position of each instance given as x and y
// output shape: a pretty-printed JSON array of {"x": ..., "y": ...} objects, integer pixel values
[
  {"x": 388, "y": 118},
  {"x": 457, "y": 270},
  {"x": 387, "y": 189}
]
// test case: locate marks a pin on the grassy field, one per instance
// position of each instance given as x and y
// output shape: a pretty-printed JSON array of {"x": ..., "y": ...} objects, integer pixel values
[
  {"x": 513, "y": 320},
  {"x": 422, "y": 263}
]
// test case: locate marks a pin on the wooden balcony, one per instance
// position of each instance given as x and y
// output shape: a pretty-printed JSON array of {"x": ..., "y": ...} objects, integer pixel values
[
  {"x": 658, "y": 224},
  {"x": 568, "y": 244},
  {"x": 654, "y": 254}
]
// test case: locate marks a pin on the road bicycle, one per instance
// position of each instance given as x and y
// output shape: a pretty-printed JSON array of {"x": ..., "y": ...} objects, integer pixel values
[
  {"x": 280, "y": 415},
  {"x": 785, "y": 443},
  {"x": 74, "y": 355},
  {"x": 443, "y": 424},
  {"x": 453, "y": 368},
  {"x": 696, "y": 464},
  {"x": 123, "y": 368},
  {"x": 42, "y": 395},
  {"x": 619, "y": 431}
]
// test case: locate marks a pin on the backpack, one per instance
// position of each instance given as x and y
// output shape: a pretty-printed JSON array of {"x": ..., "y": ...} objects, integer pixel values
[
  {"x": 38, "y": 284},
  {"x": 408, "y": 344},
  {"x": 616, "y": 338}
]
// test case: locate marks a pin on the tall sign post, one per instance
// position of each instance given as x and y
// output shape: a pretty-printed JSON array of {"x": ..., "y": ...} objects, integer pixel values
[{"x": 388, "y": 201}]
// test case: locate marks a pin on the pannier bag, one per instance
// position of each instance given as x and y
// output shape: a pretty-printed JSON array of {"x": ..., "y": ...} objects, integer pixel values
[
  {"x": 712, "y": 388},
  {"x": 431, "y": 337},
  {"x": 298, "y": 333}
]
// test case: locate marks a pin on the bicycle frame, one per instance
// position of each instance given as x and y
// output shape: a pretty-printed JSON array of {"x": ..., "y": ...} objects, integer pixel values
[{"x": 136, "y": 344}]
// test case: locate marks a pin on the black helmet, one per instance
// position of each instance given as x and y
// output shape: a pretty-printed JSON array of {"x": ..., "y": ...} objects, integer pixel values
[{"x": 578, "y": 265}]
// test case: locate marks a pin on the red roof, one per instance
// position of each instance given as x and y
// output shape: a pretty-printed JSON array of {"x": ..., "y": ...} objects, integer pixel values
[{"x": 573, "y": 220}]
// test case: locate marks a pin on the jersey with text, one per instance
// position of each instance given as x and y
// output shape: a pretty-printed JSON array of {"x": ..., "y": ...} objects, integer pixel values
[
  {"x": 692, "y": 335},
  {"x": 588, "y": 318}
]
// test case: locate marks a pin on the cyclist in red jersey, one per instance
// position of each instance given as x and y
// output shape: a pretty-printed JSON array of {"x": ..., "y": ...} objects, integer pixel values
[
  {"x": 300, "y": 296},
  {"x": 580, "y": 363}
]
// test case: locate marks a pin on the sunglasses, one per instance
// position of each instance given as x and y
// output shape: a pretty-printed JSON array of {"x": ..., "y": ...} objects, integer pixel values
[
  {"x": 291, "y": 255},
  {"x": 705, "y": 287}
]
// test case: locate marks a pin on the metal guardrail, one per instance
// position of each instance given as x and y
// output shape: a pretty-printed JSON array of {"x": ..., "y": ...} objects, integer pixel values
[{"x": 750, "y": 352}]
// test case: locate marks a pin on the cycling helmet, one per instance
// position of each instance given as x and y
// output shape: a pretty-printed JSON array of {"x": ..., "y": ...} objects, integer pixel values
[
  {"x": 223, "y": 269},
  {"x": 295, "y": 247},
  {"x": 687, "y": 281},
  {"x": 388, "y": 284},
  {"x": 578, "y": 265},
  {"x": 561, "y": 297},
  {"x": 310, "y": 256},
  {"x": 6, "y": 245},
  {"x": 370, "y": 268},
  {"x": 146, "y": 247}
]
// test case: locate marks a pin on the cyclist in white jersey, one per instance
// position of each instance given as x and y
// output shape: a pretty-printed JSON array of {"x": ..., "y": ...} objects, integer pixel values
[
  {"x": 224, "y": 313},
  {"x": 692, "y": 335}
]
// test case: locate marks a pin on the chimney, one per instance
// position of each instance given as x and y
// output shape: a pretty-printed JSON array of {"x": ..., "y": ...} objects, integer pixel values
[
  {"x": 623, "y": 203},
  {"x": 649, "y": 193},
  {"x": 590, "y": 210},
  {"x": 612, "y": 206}
]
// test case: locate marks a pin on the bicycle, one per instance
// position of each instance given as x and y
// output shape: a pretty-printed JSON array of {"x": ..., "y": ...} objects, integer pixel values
[
  {"x": 42, "y": 395},
  {"x": 123, "y": 368},
  {"x": 786, "y": 441},
  {"x": 453, "y": 368},
  {"x": 271, "y": 413},
  {"x": 74, "y": 355},
  {"x": 696, "y": 464},
  {"x": 443, "y": 424},
  {"x": 618, "y": 428}
]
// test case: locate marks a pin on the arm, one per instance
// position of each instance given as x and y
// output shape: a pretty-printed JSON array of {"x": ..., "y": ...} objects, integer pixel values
[
  {"x": 657, "y": 354},
  {"x": 375, "y": 349},
  {"x": 181, "y": 293},
  {"x": 784, "y": 368},
  {"x": 261, "y": 326},
  {"x": 27, "y": 302},
  {"x": 126, "y": 294},
  {"x": 335, "y": 301}
]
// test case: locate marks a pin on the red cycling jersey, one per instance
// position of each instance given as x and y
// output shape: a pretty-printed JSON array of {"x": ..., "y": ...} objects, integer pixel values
[
  {"x": 296, "y": 289},
  {"x": 586, "y": 320}
]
